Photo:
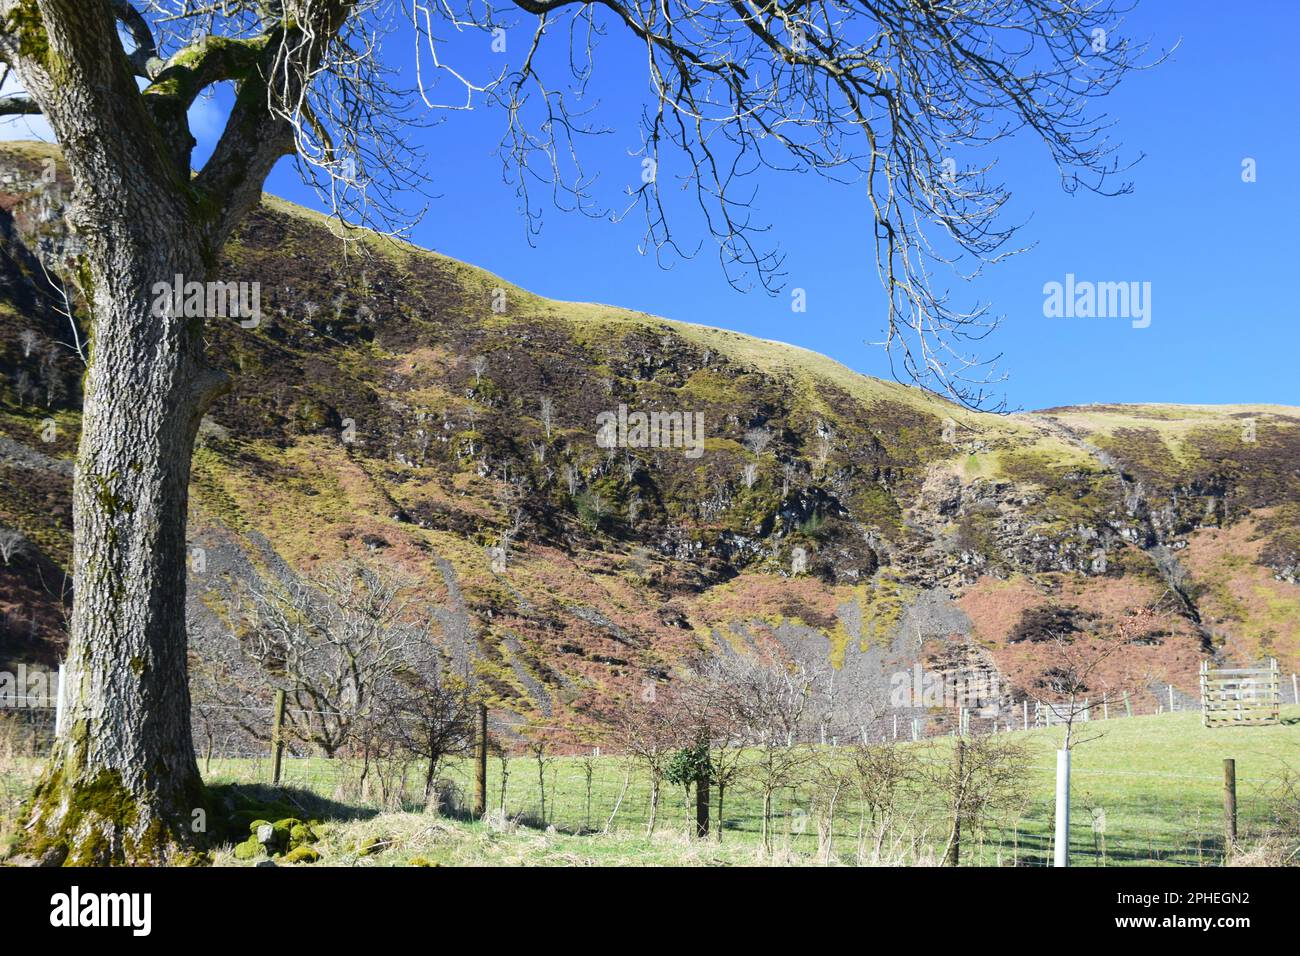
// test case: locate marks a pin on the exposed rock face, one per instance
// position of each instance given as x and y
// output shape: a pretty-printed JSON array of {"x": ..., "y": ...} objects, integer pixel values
[{"x": 386, "y": 408}]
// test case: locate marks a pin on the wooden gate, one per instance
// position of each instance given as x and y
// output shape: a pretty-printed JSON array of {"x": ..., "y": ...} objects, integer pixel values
[{"x": 1240, "y": 696}]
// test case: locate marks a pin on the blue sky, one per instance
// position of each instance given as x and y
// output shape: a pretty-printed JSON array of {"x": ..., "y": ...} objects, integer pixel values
[{"x": 1220, "y": 254}]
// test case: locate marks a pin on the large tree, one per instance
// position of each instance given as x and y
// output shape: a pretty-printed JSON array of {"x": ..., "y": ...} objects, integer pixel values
[{"x": 891, "y": 94}]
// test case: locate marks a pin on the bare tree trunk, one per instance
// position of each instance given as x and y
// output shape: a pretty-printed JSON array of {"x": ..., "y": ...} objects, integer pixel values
[
  {"x": 702, "y": 806},
  {"x": 654, "y": 806},
  {"x": 541, "y": 787},
  {"x": 123, "y": 782},
  {"x": 430, "y": 772},
  {"x": 952, "y": 856}
]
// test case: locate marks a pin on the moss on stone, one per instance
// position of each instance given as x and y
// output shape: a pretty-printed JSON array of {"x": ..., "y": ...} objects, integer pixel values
[
  {"x": 250, "y": 849},
  {"x": 302, "y": 854},
  {"x": 371, "y": 847}
]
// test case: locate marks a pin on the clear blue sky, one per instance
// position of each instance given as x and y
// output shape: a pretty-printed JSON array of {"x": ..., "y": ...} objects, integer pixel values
[{"x": 1220, "y": 254}]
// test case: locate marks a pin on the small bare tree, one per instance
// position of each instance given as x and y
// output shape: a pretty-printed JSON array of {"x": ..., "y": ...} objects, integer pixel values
[
  {"x": 28, "y": 339},
  {"x": 781, "y": 698},
  {"x": 12, "y": 544},
  {"x": 712, "y": 699},
  {"x": 430, "y": 711},
  {"x": 822, "y": 448},
  {"x": 332, "y": 641},
  {"x": 879, "y": 775},
  {"x": 1080, "y": 669},
  {"x": 547, "y": 411},
  {"x": 979, "y": 779},
  {"x": 647, "y": 732},
  {"x": 538, "y": 748},
  {"x": 757, "y": 440}
]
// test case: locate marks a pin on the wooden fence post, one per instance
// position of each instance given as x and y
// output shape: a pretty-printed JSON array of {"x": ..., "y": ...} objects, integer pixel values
[
  {"x": 480, "y": 764},
  {"x": 1229, "y": 804},
  {"x": 277, "y": 737}
]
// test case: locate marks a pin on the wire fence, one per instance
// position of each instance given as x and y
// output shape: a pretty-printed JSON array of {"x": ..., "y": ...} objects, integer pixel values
[{"x": 1121, "y": 816}]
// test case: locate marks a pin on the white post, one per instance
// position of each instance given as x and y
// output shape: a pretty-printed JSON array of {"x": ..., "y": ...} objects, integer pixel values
[
  {"x": 1025, "y": 708},
  {"x": 895, "y": 726},
  {"x": 1062, "y": 856},
  {"x": 58, "y": 706},
  {"x": 1295, "y": 690},
  {"x": 1171, "y": 698},
  {"x": 1105, "y": 707}
]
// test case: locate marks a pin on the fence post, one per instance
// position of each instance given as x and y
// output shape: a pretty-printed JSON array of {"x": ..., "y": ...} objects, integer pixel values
[
  {"x": 1171, "y": 698},
  {"x": 277, "y": 739},
  {"x": 480, "y": 764},
  {"x": 1230, "y": 804},
  {"x": 1295, "y": 690},
  {"x": 60, "y": 703},
  {"x": 895, "y": 726},
  {"x": 1205, "y": 693},
  {"x": 1062, "y": 849},
  {"x": 1128, "y": 704},
  {"x": 1024, "y": 706},
  {"x": 1105, "y": 707}
]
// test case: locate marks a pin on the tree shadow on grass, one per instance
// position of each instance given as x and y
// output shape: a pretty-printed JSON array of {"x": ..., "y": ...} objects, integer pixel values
[{"x": 237, "y": 805}]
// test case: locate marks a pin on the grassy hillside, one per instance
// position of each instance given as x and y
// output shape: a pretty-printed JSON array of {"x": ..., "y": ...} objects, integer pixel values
[{"x": 395, "y": 405}]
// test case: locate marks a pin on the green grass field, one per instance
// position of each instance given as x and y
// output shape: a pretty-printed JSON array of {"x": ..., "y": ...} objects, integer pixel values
[{"x": 1148, "y": 792}]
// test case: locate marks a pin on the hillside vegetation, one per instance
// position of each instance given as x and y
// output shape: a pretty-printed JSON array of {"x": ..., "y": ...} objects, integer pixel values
[{"x": 395, "y": 405}]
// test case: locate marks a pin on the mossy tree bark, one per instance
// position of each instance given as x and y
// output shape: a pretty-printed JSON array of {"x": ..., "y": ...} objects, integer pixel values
[{"x": 123, "y": 784}]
